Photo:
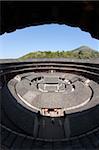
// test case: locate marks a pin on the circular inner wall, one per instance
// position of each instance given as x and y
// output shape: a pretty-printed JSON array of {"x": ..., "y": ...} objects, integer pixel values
[{"x": 52, "y": 94}]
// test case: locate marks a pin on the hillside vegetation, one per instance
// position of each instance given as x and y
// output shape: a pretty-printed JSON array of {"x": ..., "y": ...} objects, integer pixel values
[{"x": 82, "y": 52}]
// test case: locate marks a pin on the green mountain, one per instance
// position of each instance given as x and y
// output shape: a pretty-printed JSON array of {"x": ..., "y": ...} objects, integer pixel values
[
  {"x": 85, "y": 52},
  {"x": 83, "y": 48},
  {"x": 82, "y": 52}
]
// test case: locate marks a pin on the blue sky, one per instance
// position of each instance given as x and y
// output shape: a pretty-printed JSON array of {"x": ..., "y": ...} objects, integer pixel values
[{"x": 42, "y": 38}]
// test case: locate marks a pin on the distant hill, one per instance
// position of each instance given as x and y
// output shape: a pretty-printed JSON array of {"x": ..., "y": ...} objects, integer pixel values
[
  {"x": 83, "y": 48},
  {"x": 85, "y": 52},
  {"x": 82, "y": 52}
]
